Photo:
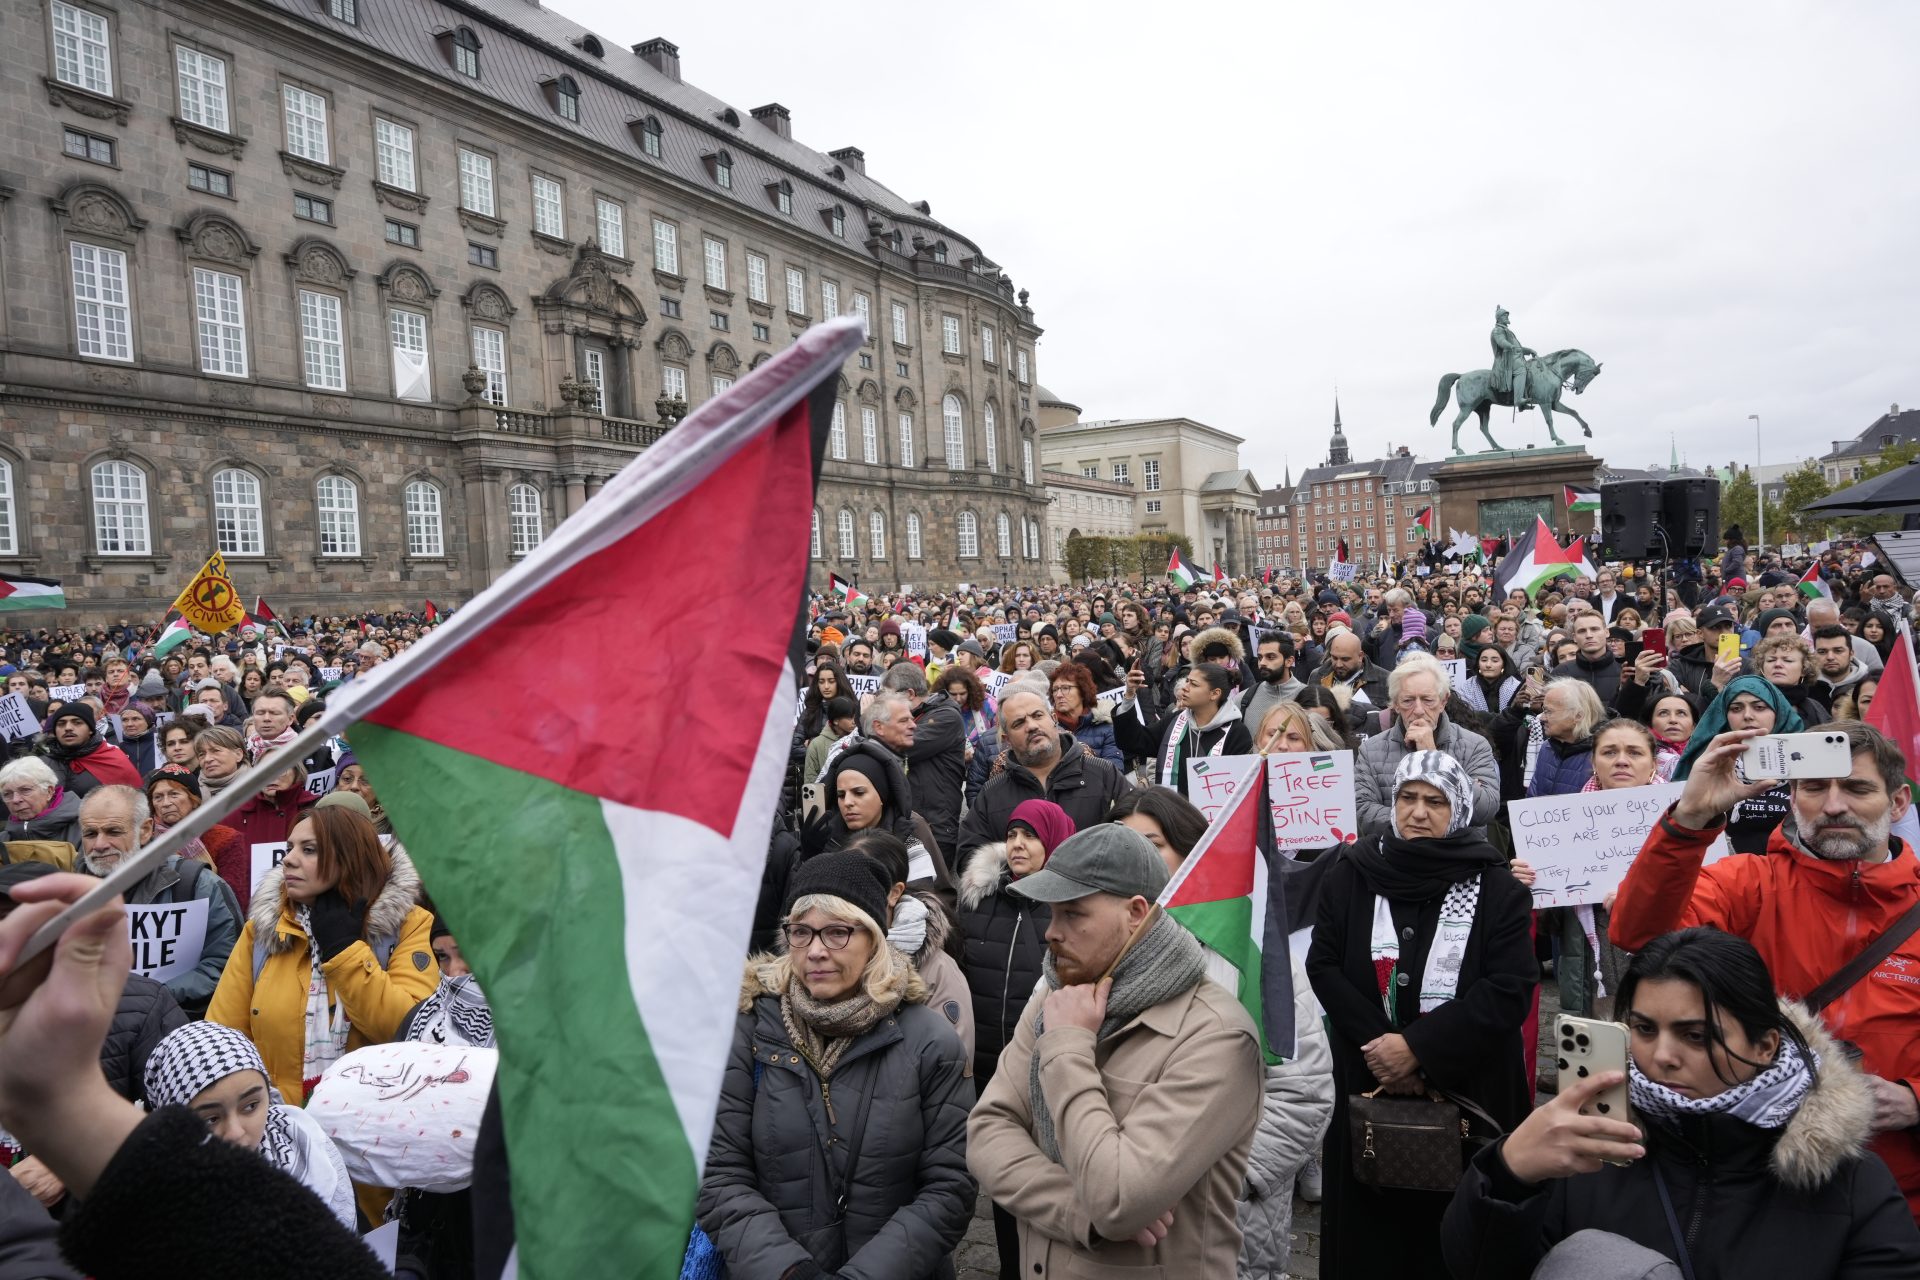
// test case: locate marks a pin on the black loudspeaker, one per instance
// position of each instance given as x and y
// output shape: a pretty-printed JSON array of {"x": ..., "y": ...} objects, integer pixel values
[
  {"x": 1628, "y": 509},
  {"x": 1690, "y": 513}
]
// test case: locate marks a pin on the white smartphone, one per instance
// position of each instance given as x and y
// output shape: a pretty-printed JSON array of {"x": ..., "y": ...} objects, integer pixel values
[
  {"x": 1588, "y": 1047},
  {"x": 1796, "y": 755},
  {"x": 813, "y": 801}
]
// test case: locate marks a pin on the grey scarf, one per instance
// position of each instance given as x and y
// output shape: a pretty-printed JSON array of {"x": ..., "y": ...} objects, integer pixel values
[{"x": 1162, "y": 965}]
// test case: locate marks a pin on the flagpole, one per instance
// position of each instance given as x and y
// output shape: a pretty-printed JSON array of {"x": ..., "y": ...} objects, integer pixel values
[{"x": 135, "y": 867}]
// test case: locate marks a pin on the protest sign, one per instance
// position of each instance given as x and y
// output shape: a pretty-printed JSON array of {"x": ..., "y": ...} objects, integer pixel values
[
  {"x": 167, "y": 937},
  {"x": 1310, "y": 794},
  {"x": 66, "y": 692},
  {"x": 318, "y": 784},
  {"x": 800, "y": 704},
  {"x": 16, "y": 718},
  {"x": 161, "y": 719},
  {"x": 1342, "y": 571},
  {"x": 1112, "y": 697},
  {"x": 1457, "y": 673},
  {"x": 993, "y": 680},
  {"x": 1792, "y": 550},
  {"x": 1006, "y": 632},
  {"x": 1454, "y": 568},
  {"x": 1423, "y": 571},
  {"x": 863, "y": 685},
  {"x": 914, "y": 636},
  {"x": 329, "y": 674},
  {"x": 1581, "y": 845},
  {"x": 266, "y": 857}
]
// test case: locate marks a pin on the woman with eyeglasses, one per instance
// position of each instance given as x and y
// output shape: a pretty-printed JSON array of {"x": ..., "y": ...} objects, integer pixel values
[{"x": 840, "y": 1143}]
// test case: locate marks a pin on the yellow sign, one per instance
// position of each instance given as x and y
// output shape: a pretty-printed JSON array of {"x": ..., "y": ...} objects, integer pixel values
[{"x": 210, "y": 603}]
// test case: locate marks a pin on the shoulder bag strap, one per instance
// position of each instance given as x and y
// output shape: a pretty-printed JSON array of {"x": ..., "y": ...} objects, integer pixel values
[
  {"x": 1673, "y": 1222},
  {"x": 853, "y": 1150},
  {"x": 1863, "y": 964},
  {"x": 1470, "y": 1107}
]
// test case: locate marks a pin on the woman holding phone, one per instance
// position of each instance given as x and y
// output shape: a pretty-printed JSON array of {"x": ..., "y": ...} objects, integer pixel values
[{"x": 1748, "y": 702}]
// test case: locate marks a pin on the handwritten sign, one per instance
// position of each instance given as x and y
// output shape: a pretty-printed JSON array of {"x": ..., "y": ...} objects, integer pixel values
[
  {"x": 863, "y": 685},
  {"x": 1580, "y": 846},
  {"x": 992, "y": 680},
  {"x": 1006, "y": 632},
  {"x": 1342, "y": 571},
  {"x": 914, "y": 636},
  {"x": 1456, "y": 671},
  {"x": 167, "y": 937},
  {"x": 1310, "y": 794},
  {"x": 318, "y": 784},
  {"x": 330, "y": 674},
  {"x": 16, "y": 718},
  {"x": 266, "y": 856},
  {"x": 67, "y": 692}
]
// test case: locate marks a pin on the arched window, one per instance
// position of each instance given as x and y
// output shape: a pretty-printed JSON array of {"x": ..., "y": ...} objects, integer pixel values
[
  {"x": 876, "y": 537},
  {"x": 424, "y": 537},
  {"x": 650, "y": 132},
  {"x": 566, "y": 95},
  {"x": 9, "y": 535},
  {"x": 523, "y": 519},
  {"x": 338, "y": 501},
  {"x": 869, "y": 433},
  {"x": 1026, "y": 459},
  {"x": 120, "y": 510},
  {"x": 817, "y": 553},
  {"x": 990, "y": 420},
  {"x": 1003, "y": 535},
  {"x": 848, "y": 550},
  {"x": 906, "y": 440},
  {"x": 237, "y": 526},
  {"x": 466, "y": 52},
  {"x": 954, "y": 420},
  {"x": 837, "y": 434},
  {"x": 913, "y": 535},
  {"x": 968, "y": 531}
]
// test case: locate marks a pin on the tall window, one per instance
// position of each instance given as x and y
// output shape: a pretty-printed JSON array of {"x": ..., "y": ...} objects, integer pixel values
[
  {"x": 323, "y": 344},
  {"x": 829, "y": 299},
  {"x": 796, "y": 291},
  {"x": 412, "y": 374},
  {"x": 967, "y": 534},
  {"x": 954, "y": 424},
  {"x": 393, "y": 154},
  {"x": 650, "y": 136},
  {"x": 344, "y": 10},
  {"x": 82, "y": 50},
  {"x": 876, "y": 536},
  {"x": 338, "y": 501},
  {"x": 837, "y": 433},
  {"x": 863, "y": 307},
  {"x": 119, "y": 509},
  {"x": 523, "y": 519},
  {"x": 549, "y": 208},
  {"x": 783, "y": 197},
  {"x": 906, "y": 440},
  {"x": 1003, "y": 534},
  {"x": 1026, "y": 459},
  {"x": 723, "y": 170},
  {"x": 490, "y": 355},
  {"x": 1122, "y": 473},
  {"x": 610, "y": 219},
  {"x": 673, "y": 380},
  {"x": 986, "y": 343},
  {"x": 203, "y": 88},
  {"x": 815, "y": 545},
  {"x": 476, "y": 182},
  {"x": 847, "y": 549},
  {"x": 466, "y": 52},
  {"x": 989, "y": 420},
  {"x": 236, "y": 513},
  {"x": 595, "y": 362},
  {"x": 306, "y": 124},
  {"x": 423, "y": 520},
  {"x": 715, "y": 258},
  {"x": 899, "y": 322},
  {"x": 1020, "y": 365},
  {"x": 913, "y": 535},
  {"x": 9, "y": 537},
  {"x": 950, "y": 335},
  {"x": 1150, "y": 472},
  {"x": 102, "y": 317},
  {"x": 666, "y": 247},
  {"x": 869, "y": 433},
  {"x": 756, "y": 277},
  {"x": 222, "y": 320},
  {"x": 566, "y": 95}
]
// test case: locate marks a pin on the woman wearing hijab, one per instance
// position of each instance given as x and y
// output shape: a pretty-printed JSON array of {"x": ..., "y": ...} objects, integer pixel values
[
  {"x": 216, "y": 1072},
  {"x": 1422, "y": 961},
  {"x": 1748, "y": 702},
  {"x": 866, "y": 788}
]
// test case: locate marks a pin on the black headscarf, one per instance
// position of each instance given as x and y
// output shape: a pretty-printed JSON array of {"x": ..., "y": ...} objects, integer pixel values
[{"x": 1417, "y": 870}]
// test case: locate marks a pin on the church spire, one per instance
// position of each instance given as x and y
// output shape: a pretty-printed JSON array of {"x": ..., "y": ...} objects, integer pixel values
[{"x": 1337, "y": 455}]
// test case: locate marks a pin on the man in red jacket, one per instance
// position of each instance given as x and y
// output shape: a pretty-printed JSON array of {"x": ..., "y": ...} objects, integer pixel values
[
  {"x": 88, "y": 760},
  {"x": 1831, "y": 881}
]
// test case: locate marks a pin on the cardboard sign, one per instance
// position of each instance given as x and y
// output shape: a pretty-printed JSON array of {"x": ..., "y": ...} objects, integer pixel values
[
  {"x": 66, "y": 692},
  {"x": 16, "y": 718},
  {"x": 1310, "y": 794},
  {"x": 1342, "y": 571},
  {"x": 1580, "y": 846},
  {"x": 319, "y": 784},
  {"x": 266, "y": 857},
  {"x": 1457, "y": 672},
  {"x": 863, "y": 685},
  {"x": 1006, "y": 632},
  {"x": 914, "y": 636},
  {"x": 167, "y": 937}
]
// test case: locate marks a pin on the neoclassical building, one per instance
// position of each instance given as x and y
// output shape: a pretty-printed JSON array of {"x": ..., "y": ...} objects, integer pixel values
[{"x": 370, "y": 294}]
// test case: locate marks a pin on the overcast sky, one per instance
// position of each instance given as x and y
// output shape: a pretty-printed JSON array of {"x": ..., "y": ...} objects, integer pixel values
[{"x": 1224, "y": 212}]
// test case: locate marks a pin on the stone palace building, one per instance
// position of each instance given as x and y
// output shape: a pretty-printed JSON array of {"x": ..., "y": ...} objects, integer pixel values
[{"x": 370, "y": 294}]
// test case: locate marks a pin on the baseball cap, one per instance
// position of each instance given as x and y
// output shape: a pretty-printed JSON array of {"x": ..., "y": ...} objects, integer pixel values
[
  {"x": 1107, "y": 858},
  {"x": 1717, "y": 615}
]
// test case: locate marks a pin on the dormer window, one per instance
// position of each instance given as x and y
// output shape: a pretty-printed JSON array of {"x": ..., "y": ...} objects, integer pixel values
[
  {"x": 648, "y": 131},
  {"x": 837, "y": 173},
  {"x": 566, "y": 98},
  {"x": 836, "y": 218},
  {"x": 895, "y": 240},
  {"x": 1886, "y": 442},
  {"x": 730, "y": 118},
  {"x": 590, "y": 44},
  {"x": 940, "y": 251},
  {"x": 782, "y": 193},
  {"x": 466, "y": 53},
  {"x": 720, "y": 166},
  {"x": 343, "y": 11}
]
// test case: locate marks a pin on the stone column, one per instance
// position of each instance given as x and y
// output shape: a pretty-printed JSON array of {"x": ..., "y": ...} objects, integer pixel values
[
  {"x": 594, "y": 483},
  {"x": 479, "y": 552},
  {"x": 576, "y": 496}
]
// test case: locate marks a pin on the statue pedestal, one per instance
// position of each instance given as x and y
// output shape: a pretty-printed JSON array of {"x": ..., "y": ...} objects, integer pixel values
[{"x": 1498, "y": 494}]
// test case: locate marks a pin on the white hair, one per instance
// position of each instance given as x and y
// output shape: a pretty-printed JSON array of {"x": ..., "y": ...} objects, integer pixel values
[
  {"x": 1418, "y": 664},
  {"x": 29, "y": 769},
  {"x": 883, "y": 706},
  {"x": 1399, "y": 595},
  {"x": 133, "y": 797}
]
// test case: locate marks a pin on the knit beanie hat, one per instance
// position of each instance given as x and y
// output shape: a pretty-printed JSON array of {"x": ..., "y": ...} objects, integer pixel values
[
  {"x": 77, "y": 709},
  {"x": 1413, "y": 625},
  {"x": 152, "y": 687},
  {"x": 853, "y": 877}
]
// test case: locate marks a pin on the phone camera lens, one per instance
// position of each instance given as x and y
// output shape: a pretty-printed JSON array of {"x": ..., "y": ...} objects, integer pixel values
[
  {"x": 1567, "y": 1045},
  {"x": 1562, "y": 1062},
  {"x": 1582, "y": 1041}
]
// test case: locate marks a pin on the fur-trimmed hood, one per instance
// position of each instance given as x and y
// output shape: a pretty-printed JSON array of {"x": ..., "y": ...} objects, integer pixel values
[
  {"x": 767, "y": 973},
  {"x": 1834, "y": 1120},
  {"x": 384, "y": 918},
  {"x": 981, "y": 879},
  {"x": 1219, "y": 635}
]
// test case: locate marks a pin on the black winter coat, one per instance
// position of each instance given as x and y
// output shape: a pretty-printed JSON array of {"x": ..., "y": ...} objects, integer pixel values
[
  {"x": 1603, "y": 675},
  {"x": 937, "y": 766},
  {"x": 27, "y": 1248},
  {"x": 1081, "y": 783},
  {"x": 1005, "y": 942},
  {"x": 147, "y": 1012}
]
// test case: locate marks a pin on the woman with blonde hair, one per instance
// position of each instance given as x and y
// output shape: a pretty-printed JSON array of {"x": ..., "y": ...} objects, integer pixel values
[
  {"x": 840, "y": 1143},
  {"x": 1288, "y": 726}
]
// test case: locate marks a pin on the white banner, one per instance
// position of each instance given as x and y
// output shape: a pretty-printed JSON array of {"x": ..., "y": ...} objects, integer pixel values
[
  {"x": 1580, "y": 846},
  {"x": 1342, "y": 571},
  {"x": 266, "y": 857},
  {"x": 67, "y": 692},
  {"x": 1310, "y": 794},
  {"x": 914, "y": 636},
  {"x": 16, "y": 718},
  {"x": 167, "y": 937},
  {"x": 863, "y": 685}
]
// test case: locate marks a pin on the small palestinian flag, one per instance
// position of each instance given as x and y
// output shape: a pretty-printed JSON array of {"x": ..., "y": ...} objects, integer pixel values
[
  {"x": 1219, "y": 575},
  {"x": 175, "y": 633},
  {"x": 1180, "y": 571},
  {"x": 432, "y": 613},
  {"x": 1813, "y": 586},
  {"x": 1425, "y": 520},
  {"x": 264, "y": 616},
  {"x": 1581, "y": 499},
  {"x": 31, "y": 593},
  {"x": 844, "y": 592}
]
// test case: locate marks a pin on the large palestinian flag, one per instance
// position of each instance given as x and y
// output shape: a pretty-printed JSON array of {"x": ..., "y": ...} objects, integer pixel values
[
  {"x": 600, "y": 861},
  {"x": 1180, "y": 571},
  {"x": 31, "y": 593},
  {"x": 1581, "y": 499},
  {"x": 1896, "y": 713},
  {"x": 1538, "y": 559}
]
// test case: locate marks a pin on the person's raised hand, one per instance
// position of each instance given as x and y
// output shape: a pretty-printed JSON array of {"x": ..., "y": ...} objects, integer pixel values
[
  {"x": 1646, "y": 664},
  {"x": 1083, "y": 1005},
  {"x": 1556, "y": 1141},
  {"x": 1713, "y": 788},
  {"x": 54, "y": 1009},
  {"x": 1524, "y": 872},
  {"x": 1724, "y": 671},
  {"x": 1150, "y": 1236}
]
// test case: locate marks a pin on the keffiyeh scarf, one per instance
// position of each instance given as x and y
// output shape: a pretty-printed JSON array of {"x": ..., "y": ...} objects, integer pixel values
[
  {"x": 326, "y": 1024},
  {"x": 456, "y": 1013},
  {"x": 1767, "y": 1101},
  {"x": 1440, "y": 981}
]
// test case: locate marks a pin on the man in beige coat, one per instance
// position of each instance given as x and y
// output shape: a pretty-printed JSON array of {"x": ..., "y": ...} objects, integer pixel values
[{"x": 1118, "y": 1123}]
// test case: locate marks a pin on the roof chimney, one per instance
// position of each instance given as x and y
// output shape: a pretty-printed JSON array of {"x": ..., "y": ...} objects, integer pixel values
[
  {"x": 662, "y": 54},
  {"x": 776, "y": 118},
  {"x": 852, "y": 157}
]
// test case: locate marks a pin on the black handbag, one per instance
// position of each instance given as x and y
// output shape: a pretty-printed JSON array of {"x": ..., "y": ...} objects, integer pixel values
[{"x": 1414, "y": 1143}]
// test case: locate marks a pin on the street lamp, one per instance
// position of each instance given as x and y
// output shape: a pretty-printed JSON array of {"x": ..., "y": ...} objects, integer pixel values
[{"x": 1759, "y": 489}]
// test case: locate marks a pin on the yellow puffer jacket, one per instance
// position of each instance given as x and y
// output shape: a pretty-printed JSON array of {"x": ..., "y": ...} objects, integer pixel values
[{"x": 272, "y": 1011}]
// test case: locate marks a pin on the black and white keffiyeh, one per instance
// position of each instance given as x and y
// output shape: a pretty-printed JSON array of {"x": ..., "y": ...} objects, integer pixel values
[
  {"x": 456, "y": 1013},
  {"x": 1767, "y": 1101}
]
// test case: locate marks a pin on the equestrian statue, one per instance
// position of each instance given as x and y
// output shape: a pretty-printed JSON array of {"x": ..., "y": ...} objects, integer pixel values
[{"x": 1520, "y": 380}]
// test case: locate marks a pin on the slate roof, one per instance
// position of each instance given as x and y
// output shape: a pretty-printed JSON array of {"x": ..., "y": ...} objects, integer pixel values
[{"x": 1902, "y": 425}]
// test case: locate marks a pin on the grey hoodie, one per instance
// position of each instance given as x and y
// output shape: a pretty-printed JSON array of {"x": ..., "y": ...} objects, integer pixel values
[{"x": 1264, "y": 695}]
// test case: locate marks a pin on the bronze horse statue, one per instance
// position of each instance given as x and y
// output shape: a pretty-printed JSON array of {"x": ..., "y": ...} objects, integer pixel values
[{"x": 1547, "y": 377}]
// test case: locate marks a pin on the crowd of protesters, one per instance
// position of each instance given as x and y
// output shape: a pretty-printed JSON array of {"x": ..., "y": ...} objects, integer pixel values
[{"x": 958, "y": 985}]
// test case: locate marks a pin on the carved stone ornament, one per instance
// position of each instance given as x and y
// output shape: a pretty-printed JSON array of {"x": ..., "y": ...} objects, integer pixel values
[
  {"x": 97, "y": 211},
  {"x": 764, "y": 310},
  {"x": 320, "y": 175},
  {"x": 333, "y": 407},
  {"x": 92, "y": 105},
  {"x": 722, "y": 359},
  {"x": 904, "y": 396},
  {"x": 674, "y": 345},
  {"x": 869, "y": 391},
  {"x": 211, "y": 141},
  {"x": 552, "y": 244},
  {"x": 226, "y": 393},
  {"x": 474, "y": 382},
  {"x": 317, "y": 262},
  {"x": 485, "y": 302},
  {"x": 418, "y": 417},
  {"x": 668, "y": 280},
  {"x": 219, "y": 239},
  {"x": 481, "y": 223},
  {"x": 406, "y": 201},
  {"x": 113, "y": 379},
  {"x": 405, "y": 282}
]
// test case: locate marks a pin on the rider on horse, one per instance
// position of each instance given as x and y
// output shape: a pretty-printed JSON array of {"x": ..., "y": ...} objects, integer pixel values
[{"x": 1509, "y": 361}]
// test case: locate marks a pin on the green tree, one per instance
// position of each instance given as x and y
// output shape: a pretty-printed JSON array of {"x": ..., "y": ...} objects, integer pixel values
[
  {"x": 1798, "y": 488},
  {"x": 1739, "y": 503}
]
